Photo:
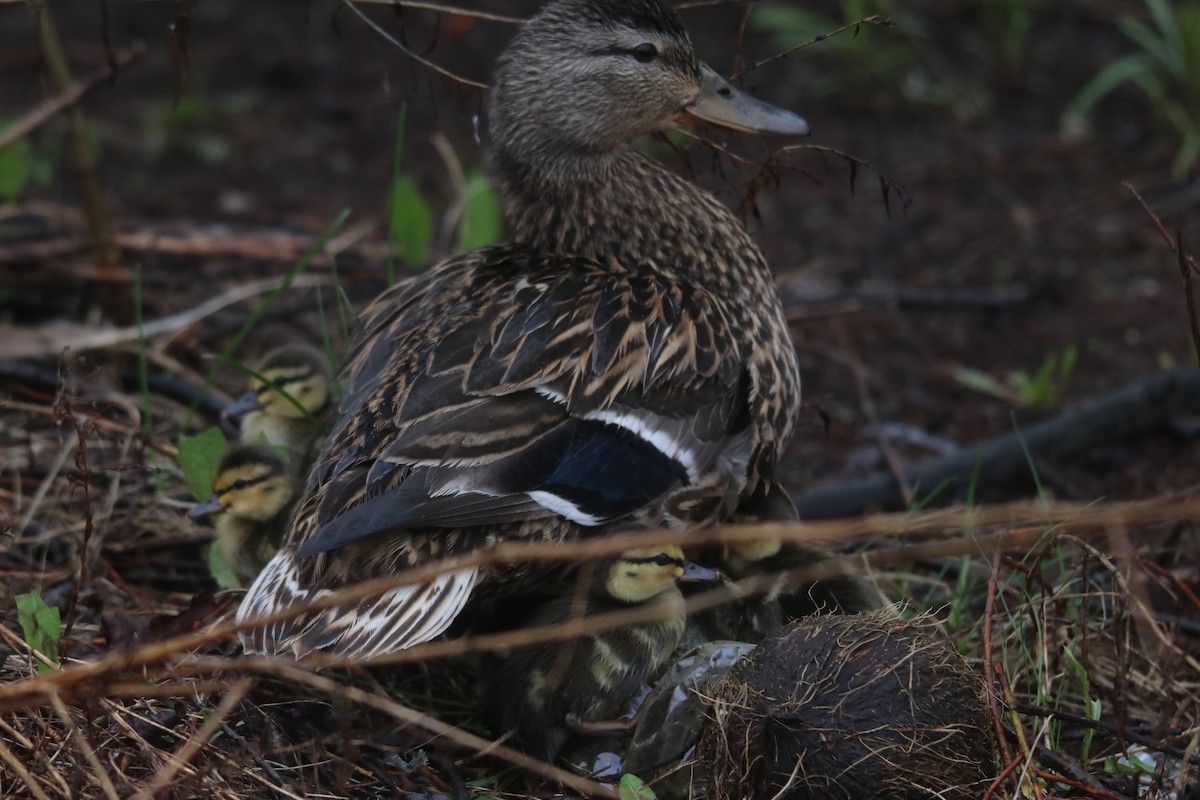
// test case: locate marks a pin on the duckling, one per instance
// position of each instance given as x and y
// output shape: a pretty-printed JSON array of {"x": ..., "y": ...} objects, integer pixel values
[
  {"x": 253, "y": 494},
  {"x": 285, "y": 406},
  {"x": 623, "y": 363},
  {"x": 753, "y": 618},
  {"x": 543, "y": 691}
]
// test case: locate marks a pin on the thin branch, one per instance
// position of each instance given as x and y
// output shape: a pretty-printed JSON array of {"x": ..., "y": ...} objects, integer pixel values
[
  {"x": 297, "y": 673},
  {"x": 50, "y": 340},
  {"x": 409, "y": 52},
  {"x": 1109, "y": 728},
  {"x": 199, "y": 739},
  {"x": 46, "y": 110},
  {"x": 1024, "y": 524},
  {"x": 874, "y": 19},
  {"x": 1186, "y": 267},
  {"x": 445, "y": 9}
]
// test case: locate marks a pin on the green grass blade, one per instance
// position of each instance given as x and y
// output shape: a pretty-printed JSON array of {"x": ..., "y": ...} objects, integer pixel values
[
  {"x": 302, "y": 264},
  {"x": 1108, "y": 79}
]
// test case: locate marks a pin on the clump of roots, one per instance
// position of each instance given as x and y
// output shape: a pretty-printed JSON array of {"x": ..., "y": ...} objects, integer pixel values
[{"x": 849, "y": 706}]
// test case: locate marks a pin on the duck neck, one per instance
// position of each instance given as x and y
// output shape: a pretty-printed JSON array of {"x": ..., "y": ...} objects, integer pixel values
[
  {"x": 620, "y": 207},
  {"x": 632, "y": 215}
]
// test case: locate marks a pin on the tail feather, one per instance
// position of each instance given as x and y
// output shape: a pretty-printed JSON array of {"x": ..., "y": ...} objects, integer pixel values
[{"x": 395, "y": 620}]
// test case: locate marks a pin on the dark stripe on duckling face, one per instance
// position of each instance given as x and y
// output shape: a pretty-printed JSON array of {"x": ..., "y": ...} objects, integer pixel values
[{"x": 639, "y": 575}]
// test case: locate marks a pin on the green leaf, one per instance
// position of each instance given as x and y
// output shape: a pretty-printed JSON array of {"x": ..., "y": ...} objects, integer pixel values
[
  {"x": 634, "y": 788},
  {"x": 40, "y": 624},
  {"x": 222, "y": 571},
  {"x": 14, "y": 169},
  {"x": 482, "y": 221},
  {"x": 410, "y": 222},
  {"x": 198, "y": 457}
]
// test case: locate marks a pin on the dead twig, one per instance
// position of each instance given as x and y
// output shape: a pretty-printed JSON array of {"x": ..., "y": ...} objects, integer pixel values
[
  {"x": 1186, "y": 268},
  {"x": 989, "y": 668},
  {"x": 1004, "y": 460},
  {"x": 1040, "y": 520},
  {"x": 874, "y": 19},
  {"x": 199, "y": 739},
  {"x": 48, "y": 109},
  {"x": 116, "y": 298},
  {"x": 51, "y": 340},
  {"x": 442, "y": 8},
  {"x": 420, "y": 59},
  {"x": 1107, "y": 727},
  {"x": 859, "y": 371},
  {"x": 1187, "y": 264}
]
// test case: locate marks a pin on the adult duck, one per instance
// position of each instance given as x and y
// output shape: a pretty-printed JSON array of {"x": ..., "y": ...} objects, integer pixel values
[{"x": 624, "y": 363}]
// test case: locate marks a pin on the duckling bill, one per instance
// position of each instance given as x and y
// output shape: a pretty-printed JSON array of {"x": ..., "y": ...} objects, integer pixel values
[{"x": 623, "y": 363}]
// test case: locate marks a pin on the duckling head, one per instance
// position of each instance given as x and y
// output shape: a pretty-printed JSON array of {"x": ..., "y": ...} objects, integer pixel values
[
  {"x": 642, "y": 574},
  {"x": 252, "y": 482},
  {"x": 739, "y": 558},
  {"x": 584, "y": 77},
  {"x": 295, "y": 373}
]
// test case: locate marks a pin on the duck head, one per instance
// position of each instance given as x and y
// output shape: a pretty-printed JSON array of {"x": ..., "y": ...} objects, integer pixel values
[{"x": 584, "y": 77}]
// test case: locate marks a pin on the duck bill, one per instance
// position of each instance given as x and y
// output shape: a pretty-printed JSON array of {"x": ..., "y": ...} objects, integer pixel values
[
  {"x": 719, "y": 103},
  {"x": 206, "y": 508},
  {"x": 694, "y": 573},
  {"x": 243, "y": 404}
]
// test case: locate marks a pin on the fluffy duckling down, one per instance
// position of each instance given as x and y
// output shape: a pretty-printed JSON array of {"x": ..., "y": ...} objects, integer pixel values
[
  {"x": 287, "y": 403},
  {"x": 253, "y": 496},
  {"x": 544, "y": 691}
]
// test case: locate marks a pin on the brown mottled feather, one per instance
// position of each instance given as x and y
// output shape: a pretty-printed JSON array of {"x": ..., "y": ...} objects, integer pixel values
[{"x": 632, "y": 306}]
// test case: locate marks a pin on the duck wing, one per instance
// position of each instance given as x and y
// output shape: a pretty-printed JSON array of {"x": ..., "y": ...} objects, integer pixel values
[{"x": 506, "y": 388}]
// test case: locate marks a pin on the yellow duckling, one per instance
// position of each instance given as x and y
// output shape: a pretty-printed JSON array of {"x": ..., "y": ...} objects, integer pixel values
[
  {"x": 253, "y": 494},
  {"x": 287, "y": 405},
  {"x": 543, "y": 691}
]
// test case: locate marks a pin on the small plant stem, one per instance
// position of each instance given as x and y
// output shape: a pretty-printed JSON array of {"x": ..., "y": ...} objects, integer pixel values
[
  {"x": 989, "y": 669},
  {"x": 48, "y": 109},
  {"x": 1189, "y": 293},
  {"x": 114, "y": 294}
]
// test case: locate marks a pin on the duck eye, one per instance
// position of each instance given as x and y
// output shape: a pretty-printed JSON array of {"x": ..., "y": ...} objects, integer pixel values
[
  {"x": 662, "y": 560},
  {"x": 645, "y": 52}
]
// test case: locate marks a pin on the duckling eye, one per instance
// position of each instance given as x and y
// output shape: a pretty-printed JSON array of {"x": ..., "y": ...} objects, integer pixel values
[
  {"x": 238, "y": 485},
  {"x": 645, "y": 52},
  {"x": 663, "y": 560}
]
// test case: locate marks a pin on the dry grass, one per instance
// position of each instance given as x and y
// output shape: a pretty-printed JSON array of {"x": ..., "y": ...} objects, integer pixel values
[
  {"x": 152, "y": 699},
  {"x": 1084, "y": 618}
]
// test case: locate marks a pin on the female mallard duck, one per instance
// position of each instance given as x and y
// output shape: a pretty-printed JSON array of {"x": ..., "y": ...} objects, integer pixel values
[
  {"x": 542, "y": 691},
  {"x": 253, "y": 490},
  {"x": 624, "y": 364},
  {"x": 284, "y": 406}
]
